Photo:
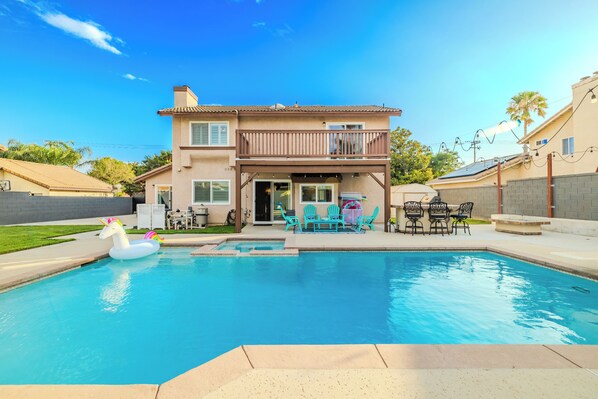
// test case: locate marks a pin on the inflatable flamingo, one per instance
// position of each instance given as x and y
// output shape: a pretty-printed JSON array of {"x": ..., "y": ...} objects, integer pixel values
[{"x": 123, "y": 249}]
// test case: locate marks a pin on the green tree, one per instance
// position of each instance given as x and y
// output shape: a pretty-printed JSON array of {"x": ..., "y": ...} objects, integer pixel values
[
  {"x": 52, "y": 152},
  {"x": 149, "y": 162},
  {"x": 444, "y": 162},
  {"x": 409, "y": 159},
  {"x": 112, "y": 171},
  {"x": 154, "y": 161},
  {"x": 524, "y": 104}
]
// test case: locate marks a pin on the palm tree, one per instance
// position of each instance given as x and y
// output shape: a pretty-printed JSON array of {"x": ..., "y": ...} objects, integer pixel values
[
  {"x": 52, "y": 152},
  {"x": 523, "y": 104}
]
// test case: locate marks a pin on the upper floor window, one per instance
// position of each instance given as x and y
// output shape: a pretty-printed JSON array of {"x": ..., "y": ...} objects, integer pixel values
[
  {"x": 345, "y": 143},
  {"x": 209, "y": 133},
  {"x": 568, "y": 146}
]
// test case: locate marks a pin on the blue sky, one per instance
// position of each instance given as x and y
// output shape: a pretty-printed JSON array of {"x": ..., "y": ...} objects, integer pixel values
[{"x": 96, "y": 71}]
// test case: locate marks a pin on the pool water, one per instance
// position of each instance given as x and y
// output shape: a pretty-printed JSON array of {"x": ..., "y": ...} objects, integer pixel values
[
  {"x": 246, "y": 246},
  {"x": 149, "y": 320}
]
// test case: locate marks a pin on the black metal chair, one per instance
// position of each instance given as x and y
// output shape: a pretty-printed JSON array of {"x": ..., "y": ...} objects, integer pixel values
[
  {"x": 413, "y": 214},
  {"x": 438, "y": 213},
  {"x": 459, "y": 218}
]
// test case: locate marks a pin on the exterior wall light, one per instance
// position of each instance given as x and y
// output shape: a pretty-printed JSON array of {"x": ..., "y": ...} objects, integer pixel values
[{"x": 593, "y": 99}]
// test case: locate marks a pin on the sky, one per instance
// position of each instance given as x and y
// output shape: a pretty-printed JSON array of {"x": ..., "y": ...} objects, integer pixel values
[{"x": 96, "y": 72}]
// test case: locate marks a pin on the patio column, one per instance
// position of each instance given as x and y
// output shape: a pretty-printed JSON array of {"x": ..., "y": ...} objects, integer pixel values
[
  {"x": 386, "y": 196},
  {"x": 238, "y": 198}
]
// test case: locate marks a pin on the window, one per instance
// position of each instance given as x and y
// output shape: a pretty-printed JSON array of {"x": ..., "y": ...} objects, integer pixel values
[
  {"x": 345, "y": 143},
  {"x": 568, "y": 146},
  {"x": 209, "y": 133},
  {"x": 317, "y": 193},
  {"x": 211, "y": 192}
]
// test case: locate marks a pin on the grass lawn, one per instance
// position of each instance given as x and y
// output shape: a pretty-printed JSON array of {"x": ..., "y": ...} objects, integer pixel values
[
  {"x": 18, "y": 238},
  {"x": 478, "y": 221},
  {"x": 208, "y": 230}
]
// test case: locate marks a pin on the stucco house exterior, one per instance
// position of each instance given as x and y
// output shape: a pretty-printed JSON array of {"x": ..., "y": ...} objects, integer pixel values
[
  {"x": 254, "y": 157},
  {"x": 566, "y": 136},
  {"x": 51, "y": 180}
]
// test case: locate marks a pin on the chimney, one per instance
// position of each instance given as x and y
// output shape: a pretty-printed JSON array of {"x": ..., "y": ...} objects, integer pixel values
[{"x": 184, "y": 97}]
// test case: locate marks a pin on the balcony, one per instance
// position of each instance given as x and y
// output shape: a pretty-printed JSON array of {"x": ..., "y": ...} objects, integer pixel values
[{"x": 325, "y": 144}]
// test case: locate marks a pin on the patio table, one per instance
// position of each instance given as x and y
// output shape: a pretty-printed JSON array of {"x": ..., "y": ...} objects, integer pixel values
[
  {"x": 332, "y": 225},
  {"x": 401, "y": 219}
]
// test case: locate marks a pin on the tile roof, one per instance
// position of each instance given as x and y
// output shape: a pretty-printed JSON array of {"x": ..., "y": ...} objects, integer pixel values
[
  {"x": 269, "y": 109},
  {"x": 53, "y": 177}
]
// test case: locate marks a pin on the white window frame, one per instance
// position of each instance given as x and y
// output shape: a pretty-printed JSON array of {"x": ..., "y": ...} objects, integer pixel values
[
  {"x": 316, "y": 201},
  {"x": 209, "y": 134},
  {"x": 211, "y": 193},
  {"x": 272, "y": 205},
  {"x": 570, "y": 140},
  {"x": 156, "y": 192},
  {"x": 328, "y": 124}
]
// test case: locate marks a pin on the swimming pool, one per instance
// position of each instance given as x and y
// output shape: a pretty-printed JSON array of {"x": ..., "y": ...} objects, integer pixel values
[
  {"x": 247, "y": 246},
  {"x": 148, "y": 320}
]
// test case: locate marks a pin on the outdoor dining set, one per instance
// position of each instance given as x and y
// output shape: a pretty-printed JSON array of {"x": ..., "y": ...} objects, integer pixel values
[{"x": 442, "y": 217}]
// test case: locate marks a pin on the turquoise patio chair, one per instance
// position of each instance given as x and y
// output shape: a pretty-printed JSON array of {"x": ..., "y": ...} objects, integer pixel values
[
  {"x": 367, "y": 220},
  {"x": 291, "y": 221},
  {"x": 310, "y": 214},
  {"x": 334, "y": 213}
]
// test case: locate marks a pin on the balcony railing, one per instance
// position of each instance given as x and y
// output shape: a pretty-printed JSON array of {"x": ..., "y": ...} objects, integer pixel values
[{"x": 329, "y": 144}]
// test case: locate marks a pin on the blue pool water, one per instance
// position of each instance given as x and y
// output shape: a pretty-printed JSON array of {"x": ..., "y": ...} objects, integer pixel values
[
  {"x": 148, "y": 320},
  {"x": 246, "y": 246}
]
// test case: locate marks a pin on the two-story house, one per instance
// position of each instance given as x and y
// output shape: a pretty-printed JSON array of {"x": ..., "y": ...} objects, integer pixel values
[{"x": 255, "y": 157}]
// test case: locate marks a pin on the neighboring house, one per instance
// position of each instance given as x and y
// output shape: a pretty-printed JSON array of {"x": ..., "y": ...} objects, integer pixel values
[
  {"x": 3, "y": 148},
  {"x": 158, "y": 185},
  {"x": 578, "y": 132},
  {"x": 253, "y": 157},
  {"x": 569, "y": 136},
  {"x": 52, "y": 180},
  {"x": 483, "y": 173}
]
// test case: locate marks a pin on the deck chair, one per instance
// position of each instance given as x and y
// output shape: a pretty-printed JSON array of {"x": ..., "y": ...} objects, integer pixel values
[
  {"x": 291, "y": 221},
  {"x": 334, "y": 213},
  {"x": 310, "y": 213},
  {"x": 367, "y": 220}
]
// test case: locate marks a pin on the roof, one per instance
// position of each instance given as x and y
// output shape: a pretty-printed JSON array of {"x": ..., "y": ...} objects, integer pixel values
[
  {"x": 54, "y": 177},
  {"x": 561, "y": 112},
  {"x": 3, "y": 148},
  {"x": 412, "y": 188},
  {"x": 477, "y": 170},
  {"x": 278, "y": 110},
  {"x": 153, "y": 172}
]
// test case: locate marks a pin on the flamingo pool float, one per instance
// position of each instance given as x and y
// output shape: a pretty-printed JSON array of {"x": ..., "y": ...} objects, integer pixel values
[{"x": 123, "y": 249}]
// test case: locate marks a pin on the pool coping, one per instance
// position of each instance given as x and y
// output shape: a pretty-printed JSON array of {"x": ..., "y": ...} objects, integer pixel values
[{"x": 374, "y": 358}]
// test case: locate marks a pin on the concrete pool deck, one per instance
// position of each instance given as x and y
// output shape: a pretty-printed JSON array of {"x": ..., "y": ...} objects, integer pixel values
[
  {"x": 364, "y": 371},
  {"x": 372, "y": 371}
]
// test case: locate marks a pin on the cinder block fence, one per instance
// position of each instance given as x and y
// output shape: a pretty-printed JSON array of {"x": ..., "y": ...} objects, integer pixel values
[{"x": 20, "y": 207}]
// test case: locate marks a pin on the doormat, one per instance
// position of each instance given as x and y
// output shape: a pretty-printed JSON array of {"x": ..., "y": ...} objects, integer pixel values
[{"x": 346, "y": 230}]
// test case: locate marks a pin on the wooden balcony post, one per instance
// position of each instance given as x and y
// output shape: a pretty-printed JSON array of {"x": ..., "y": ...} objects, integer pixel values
[
  {"x": 238, "y": 214},
  {"x": 386, "y": 196}
]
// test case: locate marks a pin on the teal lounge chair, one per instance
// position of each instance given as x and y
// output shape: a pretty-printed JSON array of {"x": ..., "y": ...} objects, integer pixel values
[
  {"x": 367, "y": 220},
  {"x": 310, "y": 213},
  {"x": 291, "y": 221},
  {"x": 334, "y": 213}
]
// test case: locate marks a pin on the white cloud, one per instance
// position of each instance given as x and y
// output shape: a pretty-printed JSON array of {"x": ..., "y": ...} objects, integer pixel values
[
  {"x": 283, "y": 31},
  {"x": 86, "y": 30},
  {"x": 130, "y": 76}
]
